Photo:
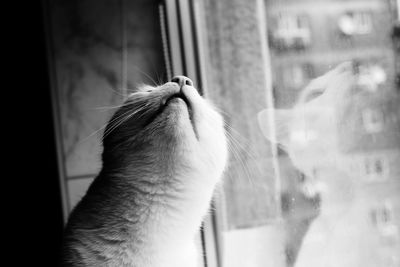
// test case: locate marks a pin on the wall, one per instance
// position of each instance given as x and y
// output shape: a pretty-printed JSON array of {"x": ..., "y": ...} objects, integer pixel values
[
  {"x": 100, "y": 50},
  {"x": 248, "y": 209}
]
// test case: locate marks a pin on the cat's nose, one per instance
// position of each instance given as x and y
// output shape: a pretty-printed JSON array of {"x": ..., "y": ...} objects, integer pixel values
[{"x": 182, "y": 80}]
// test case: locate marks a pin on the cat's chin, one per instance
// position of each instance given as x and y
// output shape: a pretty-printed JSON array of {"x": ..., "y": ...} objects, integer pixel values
[
  {"x": 199, "y": 131},
  {"x": 177, "y": 115}
]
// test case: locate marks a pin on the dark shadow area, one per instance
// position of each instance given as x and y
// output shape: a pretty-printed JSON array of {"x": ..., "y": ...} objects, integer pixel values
[{"x": 33, "y": 205}]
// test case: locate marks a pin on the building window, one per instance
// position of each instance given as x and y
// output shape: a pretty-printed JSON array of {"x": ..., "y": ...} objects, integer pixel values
[
  {"x": 297, "y": 75},
  {"x": 372, "y": 120},
  {"x": 383, "y": 219},
  {"x": 292, "y": 31},
  {"x": 375, "y": 168},
  {"x": 371, "y": 76},
  {"x": 355, "y": 23}
]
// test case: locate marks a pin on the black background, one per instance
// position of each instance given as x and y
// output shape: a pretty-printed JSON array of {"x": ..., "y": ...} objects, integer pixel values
[{"x": 31, "y": 211}]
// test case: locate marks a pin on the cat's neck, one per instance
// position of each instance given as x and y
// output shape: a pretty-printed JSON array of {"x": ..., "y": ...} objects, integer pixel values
[
  {"x": 155, "y": 219},
  {"x": 163, "y": 205},
  {"x": 338, "y": 191}
]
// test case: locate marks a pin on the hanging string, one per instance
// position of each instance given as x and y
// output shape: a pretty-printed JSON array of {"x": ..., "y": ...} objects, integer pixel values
[
  {"x": 164, "y": 38},
  {"x": 124, "y": 54}
]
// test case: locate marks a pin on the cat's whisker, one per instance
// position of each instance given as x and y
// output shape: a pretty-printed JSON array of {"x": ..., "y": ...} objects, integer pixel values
[
  {"x": 244, "y": 165},
  {"x": 235, "y": 149},
  {"x": 117, "y": 92},
  {"x": 102, "y": 128},
  {"x": 114, "y": 121},
  {"x": 254, "y": 171},
  {"x": 159, "y": 79},
  {"x": 146, "y": 75},
  {"x": 123, "y": 118},
  {"x": 156, "y": 73},
  {"x": 243, "y": 145},
  {"x": 248, "y": 149},
  {"x": 105, "y": 125},
  {"x": 93, "y": 133},
  {"x": 110, "y": 107},
  {"x": 221, "y": 111}
]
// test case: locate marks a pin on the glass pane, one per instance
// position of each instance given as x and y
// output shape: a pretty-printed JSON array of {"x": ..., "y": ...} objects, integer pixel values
[{"x": 310, "y": 95}]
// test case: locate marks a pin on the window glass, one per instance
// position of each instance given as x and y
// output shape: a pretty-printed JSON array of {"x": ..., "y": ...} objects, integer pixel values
[
  {"x": 310, "y": 93},
  {"x": 372, "y": 120}
]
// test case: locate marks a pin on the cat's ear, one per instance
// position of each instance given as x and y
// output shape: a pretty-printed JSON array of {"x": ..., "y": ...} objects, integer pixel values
[
  {"x": 332, "y": 78},
  {"x": 275, "y": 130}
]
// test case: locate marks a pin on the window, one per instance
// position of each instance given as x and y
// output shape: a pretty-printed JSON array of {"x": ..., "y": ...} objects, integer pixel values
[
  {"x": 265, "y": 215},
  {"x": 291, "y": 31},
  {"x": 375, "y": 168},
  {"x": 296, "y": 76},
  {"x": 372, "y": 120},
  {"x": 371, "y": 77},
  {"x": 383, "y": 219},
  {"x": 355, "y": 23}
]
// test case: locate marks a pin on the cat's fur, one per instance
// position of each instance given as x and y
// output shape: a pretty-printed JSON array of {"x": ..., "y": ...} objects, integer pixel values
[
  {"x": 341, "y": 235},
  {"x": 161, "y": 163}
]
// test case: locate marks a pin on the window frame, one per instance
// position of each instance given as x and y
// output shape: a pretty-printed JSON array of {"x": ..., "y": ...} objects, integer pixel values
[{"x": 186, "y": 57}]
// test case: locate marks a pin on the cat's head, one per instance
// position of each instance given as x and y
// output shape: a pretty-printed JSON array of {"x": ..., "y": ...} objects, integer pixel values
[
  {"x": 308, "y": 131},
  {"x": 166, "y": 129}
]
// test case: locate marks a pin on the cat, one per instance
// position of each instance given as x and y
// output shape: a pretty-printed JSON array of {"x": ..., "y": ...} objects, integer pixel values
[
  {"x": 341, "y": 235},
  {"x": 164, "y": 153}
]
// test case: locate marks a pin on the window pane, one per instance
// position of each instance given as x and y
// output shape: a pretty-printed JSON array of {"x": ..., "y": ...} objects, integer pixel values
[{"x": 314, "y": 176}]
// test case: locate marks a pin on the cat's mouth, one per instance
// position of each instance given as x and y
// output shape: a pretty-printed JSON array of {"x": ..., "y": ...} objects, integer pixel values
[
  {"x": 165, "y": 101},
  {"x": 178, "y": 98}
]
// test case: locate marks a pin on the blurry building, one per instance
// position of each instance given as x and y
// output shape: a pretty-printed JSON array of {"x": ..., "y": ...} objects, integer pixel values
[{"x": 309, "y": 37}]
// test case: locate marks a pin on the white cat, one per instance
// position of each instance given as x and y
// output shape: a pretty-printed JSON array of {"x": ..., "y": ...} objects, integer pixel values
[
  {"x": 342, "y": 234},
  {"x": 164, "y": 152}
]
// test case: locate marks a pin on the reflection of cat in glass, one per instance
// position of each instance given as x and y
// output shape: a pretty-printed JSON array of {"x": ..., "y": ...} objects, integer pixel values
[{"x": 341, "y": 236}]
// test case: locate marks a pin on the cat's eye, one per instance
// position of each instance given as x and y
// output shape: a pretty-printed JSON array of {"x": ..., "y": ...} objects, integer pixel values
[{"x": 313, "y": 95}]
